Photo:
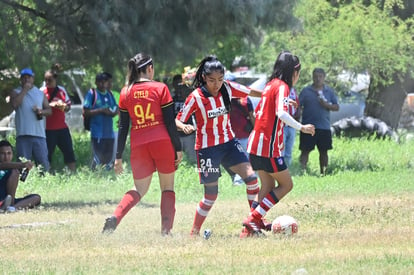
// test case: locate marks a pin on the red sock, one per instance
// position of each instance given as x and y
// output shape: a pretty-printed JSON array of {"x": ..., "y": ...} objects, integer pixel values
[
  {"x": 265, "y": 205},
  {"x": 202, "y": 211},
  {"x": 252, "y": 189},
  {"x": 130, "y": 199},
  {"x": 167, "y": 210}
]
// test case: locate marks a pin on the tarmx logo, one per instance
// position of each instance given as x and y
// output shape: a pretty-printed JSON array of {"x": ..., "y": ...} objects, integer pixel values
[{"x": 208, "y": 170}]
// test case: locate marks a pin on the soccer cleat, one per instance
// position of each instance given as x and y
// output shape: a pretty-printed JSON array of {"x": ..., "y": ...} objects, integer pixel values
[
  {"x": 6, "y": 203},
  {"x": 253, "y": 225},
  {"x": 245, "y": 233},
  {"x": 110, "y": 225},
  {"x": 265, "y": 225}
]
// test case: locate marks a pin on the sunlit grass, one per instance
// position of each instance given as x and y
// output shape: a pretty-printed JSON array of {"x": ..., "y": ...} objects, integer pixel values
[{"x": 355, "y": 220}]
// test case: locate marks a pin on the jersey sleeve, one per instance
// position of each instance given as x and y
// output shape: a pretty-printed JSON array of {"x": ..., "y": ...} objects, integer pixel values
[
  {"x": 122, "y": 99},
  {"x": 166, "y": 98},
  {"x": 238, "y": 90},
  {"x": 188, "y": 108}
]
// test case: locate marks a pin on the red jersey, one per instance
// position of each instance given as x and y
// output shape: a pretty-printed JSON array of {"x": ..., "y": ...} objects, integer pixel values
[
  {"x": 56, "y": 121},
  {"x": 266, "y": 139},
  {"x": 144, "y": 102},
  {"x": 212, "y": 117}
]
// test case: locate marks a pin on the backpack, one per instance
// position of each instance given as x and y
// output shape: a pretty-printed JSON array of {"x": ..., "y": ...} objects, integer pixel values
[{"x": 87, "y": 119}]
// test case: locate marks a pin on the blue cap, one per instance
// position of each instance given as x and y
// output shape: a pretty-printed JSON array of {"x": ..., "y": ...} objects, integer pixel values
[{"x": 26, "y": 71}]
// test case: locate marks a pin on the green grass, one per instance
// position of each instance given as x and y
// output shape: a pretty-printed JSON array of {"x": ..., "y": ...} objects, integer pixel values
[{"x": 355, "y": 220}]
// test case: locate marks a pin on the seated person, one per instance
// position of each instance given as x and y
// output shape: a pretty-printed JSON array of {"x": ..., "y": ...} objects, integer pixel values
[{"x": 9, "y": 179}]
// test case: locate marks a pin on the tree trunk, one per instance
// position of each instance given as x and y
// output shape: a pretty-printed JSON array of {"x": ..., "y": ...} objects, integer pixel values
[{"x": 385, "y": 102}]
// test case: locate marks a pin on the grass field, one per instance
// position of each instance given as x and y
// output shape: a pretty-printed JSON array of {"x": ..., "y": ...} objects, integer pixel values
[{"x": 356, "y": 220}]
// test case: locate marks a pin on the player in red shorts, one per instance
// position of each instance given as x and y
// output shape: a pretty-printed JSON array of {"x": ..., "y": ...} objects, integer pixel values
[
  {"x": 215, "y": 140},
  {"x": 265, "y": 144},
  {"x": 155, "y": 144}
]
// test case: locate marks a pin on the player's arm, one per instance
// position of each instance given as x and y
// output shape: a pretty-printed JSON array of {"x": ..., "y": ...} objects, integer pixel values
[
  {"x": 123, "y": 129},
  {"x": 170, "y": 123}
]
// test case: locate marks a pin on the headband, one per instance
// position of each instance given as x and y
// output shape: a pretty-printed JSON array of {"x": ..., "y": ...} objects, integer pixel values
[{"x": 144, "y": 64}]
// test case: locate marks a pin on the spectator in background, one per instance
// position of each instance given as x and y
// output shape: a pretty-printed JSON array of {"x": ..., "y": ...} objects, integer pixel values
[
  {"x": 289, "y": 133},
  {"x": 31, "y": 106},
  {"x": 57, "y": 131},
  {"x": 317, "y": 101},
  {"x": 115, "y": 119},
  {"x": 242, "y": 119},
  {"x": 101, "y": 106},
  {"x": 181, "y": 91},
  {"x": 9, "y": 180}
]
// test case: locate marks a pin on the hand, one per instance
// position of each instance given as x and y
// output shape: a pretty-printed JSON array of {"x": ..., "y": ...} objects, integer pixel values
[
  {"x": 293, "y": 102},
  {"x": 28, "y": 165},
  {"x": 188, "y": 129},
  {"x": 178, "y": 159},
  {"x": 308, "y": 129},
  {"x": 118, "y": 166},
  {"x": 27, "y": 86},
  {"x": 107, "y": 111}
]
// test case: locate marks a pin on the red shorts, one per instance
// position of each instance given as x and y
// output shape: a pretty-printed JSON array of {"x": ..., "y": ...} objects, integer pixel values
[{"x": 150, "y": 157}]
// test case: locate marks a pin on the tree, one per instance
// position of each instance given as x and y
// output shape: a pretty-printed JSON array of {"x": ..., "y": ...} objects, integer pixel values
[
  {"x": 352, "y": 37},
  {"x": 105, "y": 34}
]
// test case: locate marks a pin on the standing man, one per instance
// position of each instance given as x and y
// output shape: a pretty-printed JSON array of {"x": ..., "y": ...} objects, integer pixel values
[
  {"x": 31, "y": 106},
  {"x": 317, "y": 101},
  {"x": 100, "y": 105}
]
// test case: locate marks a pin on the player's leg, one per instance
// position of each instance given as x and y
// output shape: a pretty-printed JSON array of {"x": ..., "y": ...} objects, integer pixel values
[
  {"x": 142, "y": 167},
  {"x": 29, "y": 201},
  {"x": 271, "y": 170},
  {"x": 163, "y": 154},
  {"x": 236, "y": 160}
]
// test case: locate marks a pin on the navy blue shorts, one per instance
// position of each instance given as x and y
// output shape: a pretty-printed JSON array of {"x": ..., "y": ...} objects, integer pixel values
[
  {"x": 209, "y": 159},
  {"x": 269, "y": 165},
  {"x": 322, "y": 139}
]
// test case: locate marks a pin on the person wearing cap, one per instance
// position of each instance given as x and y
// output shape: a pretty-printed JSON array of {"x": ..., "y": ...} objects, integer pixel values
[
  {"x": 101, "y": 106},
  {"x": 31, "y": 106}
]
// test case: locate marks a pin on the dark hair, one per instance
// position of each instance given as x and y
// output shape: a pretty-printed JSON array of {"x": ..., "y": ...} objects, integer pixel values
[
  {"x": 207, "y": 66},
  {"x": 107, "y": 75},
  {"x": 286, "y": 63},
  {"x": 137, "y": 65},
  {"x": 5, "y": 143},
  {"x": 318, "y": 71},
  {"x": 54, "y": 70}
]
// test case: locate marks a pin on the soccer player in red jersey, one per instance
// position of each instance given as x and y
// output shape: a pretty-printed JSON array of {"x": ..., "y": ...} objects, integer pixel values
[
  {"x": 155, "y": 144},
  {"x": 265, "y": 144},
  {"x": 215, "y": 140}
]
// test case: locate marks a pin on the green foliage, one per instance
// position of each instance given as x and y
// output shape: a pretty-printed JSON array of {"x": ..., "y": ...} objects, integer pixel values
[
  {"x": 82, "y": 33},
  {"x": 351, "y": 37}
]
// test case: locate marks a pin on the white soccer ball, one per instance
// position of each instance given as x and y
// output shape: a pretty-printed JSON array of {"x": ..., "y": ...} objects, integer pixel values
[{"x": 285, "y": 224}]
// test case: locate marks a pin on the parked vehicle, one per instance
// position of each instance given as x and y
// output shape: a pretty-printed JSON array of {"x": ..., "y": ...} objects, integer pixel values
[{"x": 351, "y": 103}]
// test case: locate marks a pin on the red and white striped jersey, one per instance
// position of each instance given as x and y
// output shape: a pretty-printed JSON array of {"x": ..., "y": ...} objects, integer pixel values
[
  {"x": 266, "y": 139},
  {"x": 212, "y": 117}
]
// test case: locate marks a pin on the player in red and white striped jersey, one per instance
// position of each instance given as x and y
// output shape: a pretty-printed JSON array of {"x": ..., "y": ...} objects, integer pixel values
[
  {"x": 266, "y": 140},
  {"x": 215, "y": 143}
]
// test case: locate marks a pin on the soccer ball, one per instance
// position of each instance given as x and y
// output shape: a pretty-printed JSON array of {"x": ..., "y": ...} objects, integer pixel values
[{"x": 285, "y": 224}]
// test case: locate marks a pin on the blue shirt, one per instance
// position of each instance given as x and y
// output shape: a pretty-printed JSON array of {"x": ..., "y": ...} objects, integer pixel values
[
  {"x": 312, "y": 110},
  {"x": 101, "y": 125}
]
